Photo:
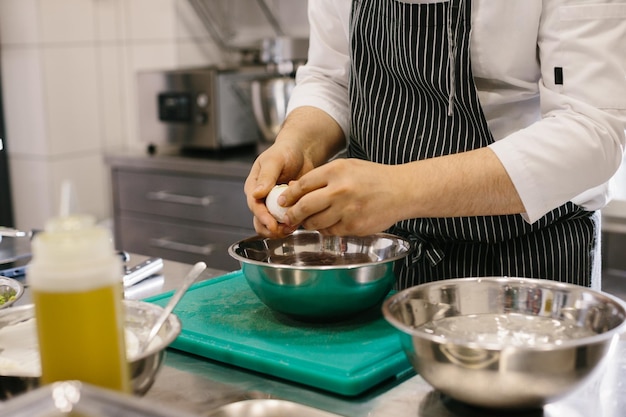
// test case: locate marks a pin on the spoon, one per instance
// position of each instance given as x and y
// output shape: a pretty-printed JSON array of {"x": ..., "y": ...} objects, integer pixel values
[{"x": 187, "y": 281}]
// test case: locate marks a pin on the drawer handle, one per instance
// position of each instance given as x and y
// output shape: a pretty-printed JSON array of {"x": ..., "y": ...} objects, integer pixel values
[
  {"x": 168, "y": 197},
  {"x": 165, "y": 243}
]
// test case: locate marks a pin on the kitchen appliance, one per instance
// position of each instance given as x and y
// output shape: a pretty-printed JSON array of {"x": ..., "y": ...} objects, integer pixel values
[
  {"x": 224, "y": 320},
  {"x": 270, "y": 98},
  {"x": 198, "y": 108},
  {"x": 15, "y": 254},
  {"x": 283, "y": 56}
]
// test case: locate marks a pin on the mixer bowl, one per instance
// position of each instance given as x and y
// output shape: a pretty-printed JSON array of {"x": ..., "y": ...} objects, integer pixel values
[
  {"x": 269, "y": 103},
  {"x": 549, "y": 338}
]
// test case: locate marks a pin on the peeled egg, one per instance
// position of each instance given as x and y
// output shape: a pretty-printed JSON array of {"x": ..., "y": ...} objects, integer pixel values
[{"x": 271, "y": 201}]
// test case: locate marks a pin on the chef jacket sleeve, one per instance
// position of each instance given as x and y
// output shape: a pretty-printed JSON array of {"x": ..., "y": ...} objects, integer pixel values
[
  {"x": 323, "y": 81},
  {"x": 577, "y": 146}
]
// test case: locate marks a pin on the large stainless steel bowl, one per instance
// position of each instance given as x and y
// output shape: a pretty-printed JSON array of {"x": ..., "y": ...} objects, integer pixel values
[
  {"x": 505, "y": 342},
  {"x": 139, "y": 318},
  {"x": 312, "y": 276}
]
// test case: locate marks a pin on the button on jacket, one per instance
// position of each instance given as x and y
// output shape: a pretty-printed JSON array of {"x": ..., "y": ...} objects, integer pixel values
[{"x": 551, "y": 79}]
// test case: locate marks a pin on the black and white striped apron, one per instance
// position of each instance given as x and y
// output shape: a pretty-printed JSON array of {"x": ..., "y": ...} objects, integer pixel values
[{"x": 413, "y": 97}]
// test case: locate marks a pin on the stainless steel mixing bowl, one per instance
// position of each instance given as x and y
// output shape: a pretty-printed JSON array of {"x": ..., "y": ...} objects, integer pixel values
[
  {"x": 503, "y": 367},
  {"x": 10, "y": 291},
  {"x": 312, "y": 276},
  {"x": 270, "y": 97},
  {"x": 139, "y": 318}
]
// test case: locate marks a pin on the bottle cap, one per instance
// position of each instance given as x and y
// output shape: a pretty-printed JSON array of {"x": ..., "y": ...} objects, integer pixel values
[
  {"x": 73, "y": 252},
  {"x": 74, "y": 239}
]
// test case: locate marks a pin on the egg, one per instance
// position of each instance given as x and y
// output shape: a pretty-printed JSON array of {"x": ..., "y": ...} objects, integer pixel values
[{"x": 271, "y": 201}]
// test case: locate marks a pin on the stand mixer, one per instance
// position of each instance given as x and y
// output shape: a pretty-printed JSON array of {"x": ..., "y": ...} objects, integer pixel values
[{"x": 270, "y": 95}]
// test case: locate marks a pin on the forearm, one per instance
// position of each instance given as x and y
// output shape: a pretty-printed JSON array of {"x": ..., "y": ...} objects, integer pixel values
[
  {"x": 318, "y": 135},
  {"x": 471, "y": 183}
]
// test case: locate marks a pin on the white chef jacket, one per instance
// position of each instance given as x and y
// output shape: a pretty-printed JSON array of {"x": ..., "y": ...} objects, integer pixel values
[{"x": 558, "y": 142}]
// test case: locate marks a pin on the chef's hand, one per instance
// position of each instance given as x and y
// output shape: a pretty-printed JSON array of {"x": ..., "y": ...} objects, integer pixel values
[
  {"x": 345, "y": 197},
  {"x": 279, "y": 164},
  {"x": 308, "y": 138}
]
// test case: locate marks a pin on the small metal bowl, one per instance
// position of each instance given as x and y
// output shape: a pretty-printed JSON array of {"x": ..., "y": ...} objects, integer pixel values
[
  {"x": 311, "y": 276},
  {"x": 549, "y": 337},
  {"x": 10, "y": 291},
  {"x": 138, "y": 320}
]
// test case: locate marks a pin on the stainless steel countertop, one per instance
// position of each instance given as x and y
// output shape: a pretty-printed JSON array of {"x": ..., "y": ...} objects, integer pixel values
[
  {"x": 233, "y": 163},
  {"x": 198, "y": 385},
  {"x": 195, "y": 384}
]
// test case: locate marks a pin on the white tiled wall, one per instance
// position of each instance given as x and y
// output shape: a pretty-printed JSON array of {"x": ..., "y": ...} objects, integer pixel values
[{"x": 68, "y": 78}]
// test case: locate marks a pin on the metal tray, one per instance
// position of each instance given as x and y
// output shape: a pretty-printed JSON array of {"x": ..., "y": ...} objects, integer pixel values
[
  {"x": 267, "y": 408},
  {"x": 73, "y": 398}
]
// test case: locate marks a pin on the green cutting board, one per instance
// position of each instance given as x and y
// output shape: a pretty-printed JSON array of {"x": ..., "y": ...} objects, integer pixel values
[{"x": 222, "y": 319}]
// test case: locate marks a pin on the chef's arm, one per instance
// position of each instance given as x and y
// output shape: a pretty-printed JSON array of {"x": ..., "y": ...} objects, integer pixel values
[
  {"x": 315, "y": 134},
  {"x": 352, "y": 196},
  {"x": 471, "y": 183},
  {"x": 323, "y": 82},
  {"x": 577, "y": 146}
]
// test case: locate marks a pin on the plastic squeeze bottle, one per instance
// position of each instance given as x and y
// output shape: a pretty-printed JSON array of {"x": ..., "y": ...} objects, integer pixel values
[{"x": 75, "y": 277}]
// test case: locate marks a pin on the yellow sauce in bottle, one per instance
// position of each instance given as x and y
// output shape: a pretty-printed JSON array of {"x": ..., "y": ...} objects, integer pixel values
[
  {"x": 76, "y": 282},
  {"x": 80, "y": 338}
]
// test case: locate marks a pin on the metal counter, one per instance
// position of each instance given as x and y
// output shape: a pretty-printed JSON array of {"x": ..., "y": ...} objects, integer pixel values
[
  {"x": 198, "y": 385},
  {"x": 233, "y": 163}
]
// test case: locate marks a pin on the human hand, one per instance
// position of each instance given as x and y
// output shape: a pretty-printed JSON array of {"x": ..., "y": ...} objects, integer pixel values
[
  {"x": 280, "y": 163},
  {"x": 308, "y": 138},
  {"x": 345, "y": 197}
]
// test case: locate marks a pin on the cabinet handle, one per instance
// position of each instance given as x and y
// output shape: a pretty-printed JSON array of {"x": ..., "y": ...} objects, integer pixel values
[
  {"x": 165, "y": 243},
  {"x": 168, "y": 197}
]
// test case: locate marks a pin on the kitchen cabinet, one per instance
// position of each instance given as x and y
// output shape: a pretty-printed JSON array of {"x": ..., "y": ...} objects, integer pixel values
[{"x": 181, "y": 208}]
